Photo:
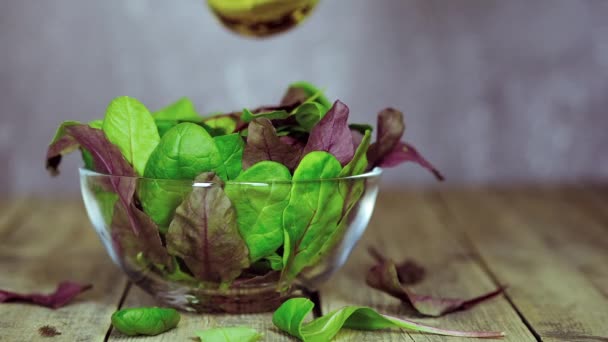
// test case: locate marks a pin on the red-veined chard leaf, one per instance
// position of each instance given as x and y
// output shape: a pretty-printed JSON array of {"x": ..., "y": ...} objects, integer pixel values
[
  {"x": 204, "y": 233},
  {"x": 389, "y": 132},
  {"x": 65, "y": 292},
  {"x": 409, "y": 272},
  {"x": 384, "y": 277},
  {"x": 290, "y": 316},
  {"x": 264, "y": 144},
  {"x": 106, "y": 159},
  {"x": 388, "y": 150},
  {"x": 332, "y": 135},
  {"x": 403, "y": 152},
  {"x": 140, "y": 247}
]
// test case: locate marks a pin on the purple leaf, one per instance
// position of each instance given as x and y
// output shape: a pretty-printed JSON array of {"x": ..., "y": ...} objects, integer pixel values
[
  {"x": 333, "y": 135},
  {"x": 129, "y": 242},
  {"x": 65, "y": 292},
  {"x": 204, "y": 233},
  {"x": 409, "y": 272},
  {"x": 384, "y": 277},
  {"x": 388, "y": 150},
  {"x": 107, "y": 159},
  {"x": 264, "y": 144},
  {"x": 389, "y": 131},
  {"x": 403, "y": 152},
  {"x": 294, "y": 97}
]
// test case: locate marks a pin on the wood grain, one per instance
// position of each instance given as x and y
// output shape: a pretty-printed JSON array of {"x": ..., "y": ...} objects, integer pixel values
[
  {"x": 543, "y": 249},
  {"x": 190, "y": 323},
  {"x": 11, "y": 212},
  {"x": 548, "y": 245},
  {"x": 55, "y": 242},
  {"x": 405, "y": 226}
]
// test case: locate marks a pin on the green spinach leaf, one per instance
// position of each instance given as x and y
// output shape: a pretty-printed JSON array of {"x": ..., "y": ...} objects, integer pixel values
[
  {"x": 260, "y": 206},
  {"x": 180, "y": 110},
  {"x": 145, "y": 321},
  {"x": 229, "y": 334},
  {"x": 310, "y": 91},
  {"x": 351, "y": 191},
  {"x": 220, "y": 124},
  {"x": 312, "y": 214},
  {"x": 129, "y": 125},
  {"x": 184, "y": 152},
  {"x": 205, "y": 235},
  {"x": 230, "y": 148},
  {"x": 290, "y": 316},
  {"x": 248, "y": 116},
  {"x": 309, "y": 114}
]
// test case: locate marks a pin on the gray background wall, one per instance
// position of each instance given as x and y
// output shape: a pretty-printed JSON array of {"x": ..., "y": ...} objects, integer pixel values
[{"x": 494, "y": 91}]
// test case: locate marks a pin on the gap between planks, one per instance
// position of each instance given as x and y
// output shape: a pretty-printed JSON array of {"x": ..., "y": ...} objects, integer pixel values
[
  {"x": 54, "y": 243},
  {"x": 442, "y": 207},
  {"x": 406, "y": 225},
  {"x": 548, "y": 250}
]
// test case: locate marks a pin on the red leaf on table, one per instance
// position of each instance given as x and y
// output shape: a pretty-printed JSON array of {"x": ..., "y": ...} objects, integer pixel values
[
  {"x": 384, "y": 277},
  {"x": 65, "y": 292},
  {"x": 409, "y": 271}
]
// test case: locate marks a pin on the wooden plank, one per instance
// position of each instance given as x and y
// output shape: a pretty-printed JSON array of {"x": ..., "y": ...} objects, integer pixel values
[
  {"x": 55, "y": 242},
  {"x": 406, "y": 226},
  {"x": 593, "y": 200},
  {"x": 190, "y": 323},
  {"x": 10, "y": 212},
  {"x": 539, "y": 246}
]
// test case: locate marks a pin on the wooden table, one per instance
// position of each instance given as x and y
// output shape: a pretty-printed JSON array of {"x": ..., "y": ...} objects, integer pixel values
[{"x": 550, "y": 246}]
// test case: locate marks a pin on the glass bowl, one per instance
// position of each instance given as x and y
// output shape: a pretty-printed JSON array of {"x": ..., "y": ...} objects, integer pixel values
[{"x": 235, "y": 247}]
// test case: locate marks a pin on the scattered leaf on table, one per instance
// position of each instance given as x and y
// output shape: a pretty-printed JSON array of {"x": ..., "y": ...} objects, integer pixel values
[
  {"x": 204, "y": 233},
  {"x": 264, "y": 144},
  {"x": 409, "y": 271},
  {"x": 332, "y": 135},
  {"x": 65, "y": 292},
  {"x": 290, "y": 316},
  {"x": 229, "y": 334},
  {"x": 145, "y": 321},
  {"x": 384, "y": 277}
]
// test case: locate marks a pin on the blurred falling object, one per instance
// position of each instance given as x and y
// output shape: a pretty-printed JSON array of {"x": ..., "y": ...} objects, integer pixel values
[{"x": 261, "y": 18}]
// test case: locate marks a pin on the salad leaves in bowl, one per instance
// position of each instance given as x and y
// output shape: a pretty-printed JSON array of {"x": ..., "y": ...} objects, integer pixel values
[{"x": 232, "y": 212}]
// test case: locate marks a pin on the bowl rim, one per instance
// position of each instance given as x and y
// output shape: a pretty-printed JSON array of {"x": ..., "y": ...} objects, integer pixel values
[{"x": 372, "y": 174}]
